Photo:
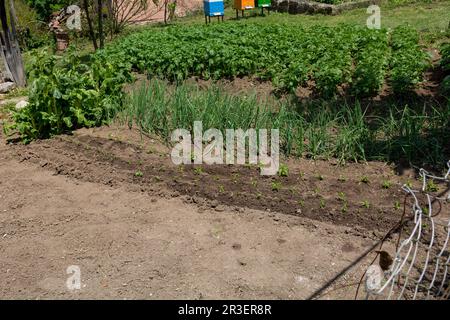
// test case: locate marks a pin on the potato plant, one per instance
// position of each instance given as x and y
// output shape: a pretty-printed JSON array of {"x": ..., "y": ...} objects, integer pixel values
[{"x": 288, "y": 56}]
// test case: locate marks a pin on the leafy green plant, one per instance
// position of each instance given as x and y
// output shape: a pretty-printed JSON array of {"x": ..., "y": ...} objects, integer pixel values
[
  {"x": 66, "y": 94},
  {"x": 138, "y": 174},
  {"x": 445, "y": 64},
  {"x": 45, "y": 8},
  {"x": 386, "y": 184},
  {"x": 431, "y": 186},
  {"x": 372, "y": 63},
  {"x": 365, "y": 204},
  {"x": 288, "y": 56},
  {"x": 198, "y": 170},
  {"x": 408, "y": 61},
  {"x": 322, "y": 203},
  {"x": 341, "y": 196},
  {"x": 364, "y": 179},
  {"x": 276, "y": 186},
  {"x": 283, "y": 171}
]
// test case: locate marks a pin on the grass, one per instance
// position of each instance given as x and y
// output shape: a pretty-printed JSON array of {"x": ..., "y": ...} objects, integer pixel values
[{"x": 319, "y": 131}]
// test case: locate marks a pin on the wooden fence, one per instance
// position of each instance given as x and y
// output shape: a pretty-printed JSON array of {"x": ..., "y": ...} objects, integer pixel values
[{"x": 10, "y": 50}]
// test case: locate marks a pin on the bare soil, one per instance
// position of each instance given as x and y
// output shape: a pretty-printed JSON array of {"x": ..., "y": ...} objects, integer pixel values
[{"x": 181, "y": 231}]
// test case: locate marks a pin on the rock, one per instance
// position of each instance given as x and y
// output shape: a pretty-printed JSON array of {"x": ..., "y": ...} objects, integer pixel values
[
  {"x": 214, "y": 203},
  {"x": 7, "y": 87},
  {"x": 21, "y": 105},
  {"x": 236, "y": 246},
  {"x": 220, "y": 208},
  {"x": 374, "y": 278}
]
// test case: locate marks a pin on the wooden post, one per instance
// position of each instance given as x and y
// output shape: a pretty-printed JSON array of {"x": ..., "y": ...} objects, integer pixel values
[
  {"x": 89, "y": 21},
  {"x": 10, "y": 45},
  {"x": 100, "y": 24}
]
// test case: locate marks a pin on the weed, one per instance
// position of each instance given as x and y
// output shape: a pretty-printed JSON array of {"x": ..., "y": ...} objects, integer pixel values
[
  {"x": 365, "y": 204},
  {"x": 341, "y": 196},
  {"x": 386, "y": 184},
  {"x": 138, "y": 174},
  {"x": 322, "y": 203},
  {"x": 409, "y": 184},
  {"x": 364, "y": 179},
  {"x": 198, "y": 170},
  {"x": 283, "y": 171},
  {"x": 431, "y": 186},
  {"x": 276, "y": 186}
]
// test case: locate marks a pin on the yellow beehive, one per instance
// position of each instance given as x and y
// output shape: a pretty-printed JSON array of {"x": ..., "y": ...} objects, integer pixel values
[{"x": 244, "y": 4}]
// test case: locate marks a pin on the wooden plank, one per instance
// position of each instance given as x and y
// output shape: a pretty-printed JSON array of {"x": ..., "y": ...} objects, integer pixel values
[{"x": 10, "y": 45}]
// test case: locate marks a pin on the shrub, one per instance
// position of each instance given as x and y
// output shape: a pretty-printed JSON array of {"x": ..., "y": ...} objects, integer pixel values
[
  {"x": 66, "y": 94},
  {"x": 45, "y": 8}
]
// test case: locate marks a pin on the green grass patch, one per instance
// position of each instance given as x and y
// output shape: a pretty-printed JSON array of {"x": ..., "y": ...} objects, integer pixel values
[{"x": 322, "y": 130}]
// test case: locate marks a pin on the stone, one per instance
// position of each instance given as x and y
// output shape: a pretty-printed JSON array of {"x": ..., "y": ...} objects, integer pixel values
[
  {"x": 374, "y": 278},
  {"x": 220, "y": 208},
  {"x": 21, "y": 105},
  {"x": 7, "y": 87}
]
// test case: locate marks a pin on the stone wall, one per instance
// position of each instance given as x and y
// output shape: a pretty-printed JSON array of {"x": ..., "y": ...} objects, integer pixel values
[{"x": 311, "y": 7}]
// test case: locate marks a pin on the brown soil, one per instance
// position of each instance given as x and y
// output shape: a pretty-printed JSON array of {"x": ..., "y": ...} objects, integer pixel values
[
  {"x": 178, "y": 231},
  {"x": 317, "y": 190}
]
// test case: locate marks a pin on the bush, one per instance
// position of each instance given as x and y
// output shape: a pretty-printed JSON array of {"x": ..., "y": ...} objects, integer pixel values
[
  {"x": 45, "y": 8},
  {"x": 32, "y": 33},
  {"x": 66, "y": 94}
]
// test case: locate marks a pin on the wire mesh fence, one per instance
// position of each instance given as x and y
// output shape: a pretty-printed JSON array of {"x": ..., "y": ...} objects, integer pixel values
[{"x": 420, "y": 267}]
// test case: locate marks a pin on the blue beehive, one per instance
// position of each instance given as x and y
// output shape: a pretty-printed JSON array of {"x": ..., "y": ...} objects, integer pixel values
[{"x": 213, "y": 8}]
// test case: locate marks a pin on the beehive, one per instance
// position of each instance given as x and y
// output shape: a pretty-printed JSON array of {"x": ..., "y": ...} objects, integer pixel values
[
  {"x": 244, "y": 4},
  {"x": 263, "y": 3},
  {"x": 213, "y": 8}
]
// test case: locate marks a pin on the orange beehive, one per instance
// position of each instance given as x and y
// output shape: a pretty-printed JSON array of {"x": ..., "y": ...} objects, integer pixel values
[{"x": 244, "y": 4}]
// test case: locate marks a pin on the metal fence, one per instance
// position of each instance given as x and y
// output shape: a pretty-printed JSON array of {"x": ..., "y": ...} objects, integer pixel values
[{"x": 420, "y": 267}]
